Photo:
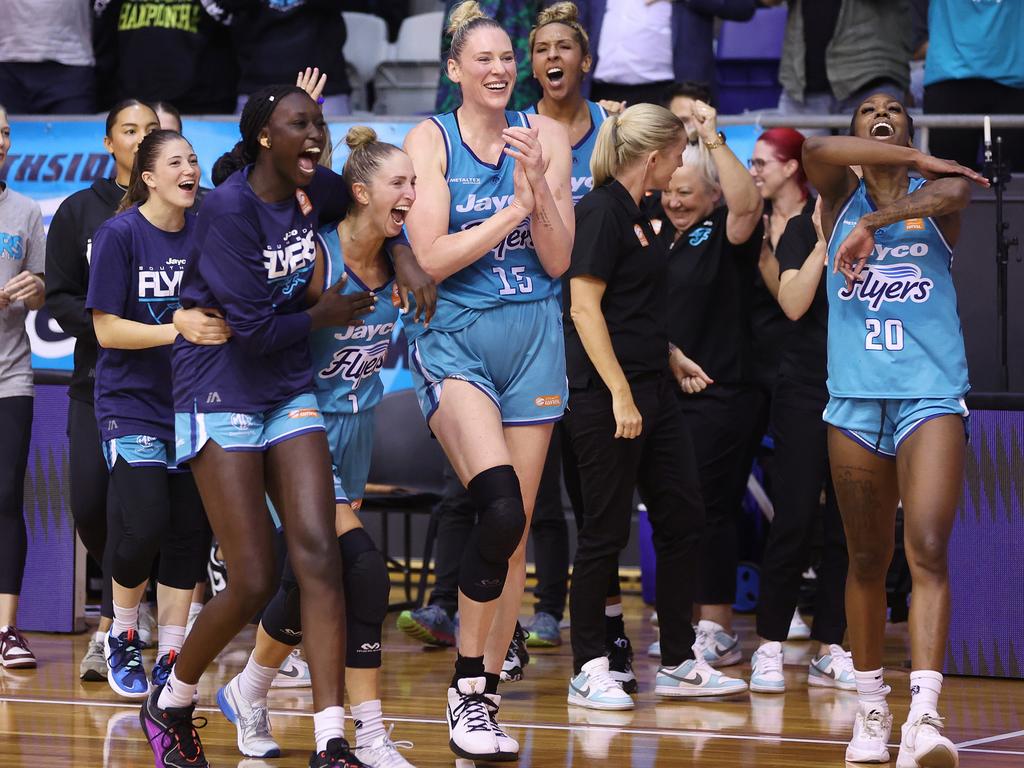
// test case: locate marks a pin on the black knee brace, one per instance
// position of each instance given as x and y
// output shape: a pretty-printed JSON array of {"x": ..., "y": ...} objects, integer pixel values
[
  {"x": 497, "y": 533},
  {"x": 367, "y": 588},
  {"x": 282, "y": 618}
]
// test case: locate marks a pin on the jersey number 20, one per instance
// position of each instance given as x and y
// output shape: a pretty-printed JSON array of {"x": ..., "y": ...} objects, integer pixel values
[{"x": 891, "y": 339}]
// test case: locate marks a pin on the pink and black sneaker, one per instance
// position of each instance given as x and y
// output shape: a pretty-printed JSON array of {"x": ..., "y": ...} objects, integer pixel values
[
  {"x": 337, "y": 755},
  {"x": 172, "y": 734}
]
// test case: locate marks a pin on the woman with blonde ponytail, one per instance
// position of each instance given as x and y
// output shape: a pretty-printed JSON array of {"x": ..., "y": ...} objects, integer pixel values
[
  {"x": 494, "y": 228},
  {"x": 626, "y": 428},
  {"x": 347, "y": 384}
]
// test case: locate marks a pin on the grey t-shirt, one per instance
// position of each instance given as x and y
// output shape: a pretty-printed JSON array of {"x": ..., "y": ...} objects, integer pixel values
[
  {"x": 22, "y": 247},
  {"x": 47, "y": 30}
]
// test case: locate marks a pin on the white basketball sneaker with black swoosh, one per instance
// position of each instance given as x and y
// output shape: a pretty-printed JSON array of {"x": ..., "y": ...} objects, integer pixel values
[
  {"x": 922, "y": 745},
  {"x": 293, "y": 673},
  {"x": 470, "y": 734},
  {"x": 718, "y": 647},
  {"x": 871, "y": 731},
  {"x": 595, "y": 688},
  {"x": 695, "y": 678}
]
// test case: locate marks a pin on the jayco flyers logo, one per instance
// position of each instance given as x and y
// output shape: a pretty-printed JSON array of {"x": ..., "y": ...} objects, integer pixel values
[
  {"x": 519, "y": 238},
  {"x": 359, "y": 362},
  {"x": 889, "y": 282}
]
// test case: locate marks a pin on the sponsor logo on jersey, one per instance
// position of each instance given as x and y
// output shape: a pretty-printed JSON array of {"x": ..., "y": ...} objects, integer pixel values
[
  {"x": 547, "y": 401},
  {"x": 357, "y": 363},
  {"x": 700, "y": 235},
  {"x": 914, "y": 225},
  {"x": 519, "y": 238},
  {"x": 367, "y": 331},
  {"x": 915, "y": 250},
  {"x": 304, "y": 413},
  {"x": 464, "y": 180},
  {"x": 484, "y": 203},
  {"x": 242, "y": 421},
  {"x": 145, "y": 441},
  {"x": 889, "y": 282},
  {"x": 296, "y": 254},
  {"x": 212, "y": 397},
  {"x": 581, "y": 185}
]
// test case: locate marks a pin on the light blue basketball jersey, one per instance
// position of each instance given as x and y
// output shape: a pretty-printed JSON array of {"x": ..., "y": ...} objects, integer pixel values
[
  {"x": 896, "y": 334},
  {"x": 582, "y": 178},
  {"x": 511, "y": 271},
  {"x": 347, "y": 361}
]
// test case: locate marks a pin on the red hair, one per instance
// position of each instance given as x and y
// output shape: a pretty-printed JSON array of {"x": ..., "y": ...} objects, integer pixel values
[{"x": 787, "y": 144}]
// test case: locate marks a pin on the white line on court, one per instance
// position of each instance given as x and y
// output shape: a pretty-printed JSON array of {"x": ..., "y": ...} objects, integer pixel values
[
  {"x": 535, "y": 726},
  {"x": 990, "y": 739}
]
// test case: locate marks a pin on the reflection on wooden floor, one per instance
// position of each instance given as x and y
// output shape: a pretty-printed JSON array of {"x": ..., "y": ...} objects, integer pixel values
[{"x": 49, "y": 718}]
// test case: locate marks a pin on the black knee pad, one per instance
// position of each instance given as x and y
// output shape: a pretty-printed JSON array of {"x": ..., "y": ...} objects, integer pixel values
[
  {"x": 282, "y": 618},
  {"x": 498, "y": 531},
  {"x": 367, "y": 588}
]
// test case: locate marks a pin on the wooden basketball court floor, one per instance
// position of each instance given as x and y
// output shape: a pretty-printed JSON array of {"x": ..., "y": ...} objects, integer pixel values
[{"x": 49, "y": 718}]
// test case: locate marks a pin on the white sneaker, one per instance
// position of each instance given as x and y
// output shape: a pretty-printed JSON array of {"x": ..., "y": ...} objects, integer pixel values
[
  {"x": 833, "y": 670},
  {"x": 506, "y": 744},
  {"x": 252, "y": 722},
  {"x": 294, "y": 673},
  {"x": 718, "y": 647},
  {"x": 871, "y": 731},
  {"x": 798, "y": 629},
  {"x": 695, "y": 678},
  {"x": 923, "y": 746},
  {"x": 766, "y": 674},
  {"x": 469, "y": 722},
  {"x": 594, "y": 688},
  {"x": 654, "y": 649},
  {"x": 383, "y": 753}
]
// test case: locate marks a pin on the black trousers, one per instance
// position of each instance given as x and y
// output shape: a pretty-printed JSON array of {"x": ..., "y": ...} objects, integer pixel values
[
  {"x": 644, "y": 93},
  {"x": 660, "y": 463},
  {"x": 47, "y": 88},
  {"x": 16, "y": 417},
  {"x": 726, "y": 422},
  {"x": 158, "y": 512},
  {"x": 974, "y": 96},
  {"x": 801, "y": 470},
  {"x": 89, "y": 478},
  {"x": 456, "y": 517}
]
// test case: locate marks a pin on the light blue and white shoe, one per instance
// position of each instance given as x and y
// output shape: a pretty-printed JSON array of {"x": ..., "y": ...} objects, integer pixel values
[
  {"x": 766, "y": 669},
  {"x": 718, "y": 647},
  {"x": 695, "y": 678},
  {"x": 654, "y": 649},
  {"x": 798, "y": 628},
  {"x": 833, "y": 670},
  {"x": 293, "y": 673},
  {"x": 595, "y": 688}
]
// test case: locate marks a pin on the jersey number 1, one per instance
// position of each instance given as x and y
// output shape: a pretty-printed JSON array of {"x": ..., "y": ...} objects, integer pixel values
[{"x": 891, "y": 339}]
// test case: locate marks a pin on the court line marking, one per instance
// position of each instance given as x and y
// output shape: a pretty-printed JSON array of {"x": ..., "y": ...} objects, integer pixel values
[
  {"x": 990, "y": 739},
  {"x": 527, "y": 726}
]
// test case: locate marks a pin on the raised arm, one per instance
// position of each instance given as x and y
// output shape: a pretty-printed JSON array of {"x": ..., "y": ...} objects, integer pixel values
[
  {"x": 798, "y": 246},
  {"x": 439, "y": 253},
  {"x": 742, "y": 199},
  {"x": 546, "y": 155}
]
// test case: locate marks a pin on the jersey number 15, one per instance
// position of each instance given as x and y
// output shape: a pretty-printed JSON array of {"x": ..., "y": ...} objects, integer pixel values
[{"x": 523, "y": 283}]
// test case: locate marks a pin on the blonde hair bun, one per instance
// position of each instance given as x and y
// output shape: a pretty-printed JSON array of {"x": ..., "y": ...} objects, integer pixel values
[
  {"x": 559, "y": 13},
  {"x": 463, "y": 14},
  {"x": 359, "y": 136}
]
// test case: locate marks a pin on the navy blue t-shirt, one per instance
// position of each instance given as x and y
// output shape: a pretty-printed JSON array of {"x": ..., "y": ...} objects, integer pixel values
[
  {"x": 253, "y": 260},
  {"x": 135, "y": 273}
]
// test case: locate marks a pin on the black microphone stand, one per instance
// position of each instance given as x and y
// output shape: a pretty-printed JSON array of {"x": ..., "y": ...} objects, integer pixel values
[{"x": 999, "y": 177}]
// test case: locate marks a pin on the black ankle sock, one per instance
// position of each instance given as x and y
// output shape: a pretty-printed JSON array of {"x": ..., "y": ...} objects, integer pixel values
[
  {"x": 468, "y": 666},
  {"x": 491, "y": 682}
]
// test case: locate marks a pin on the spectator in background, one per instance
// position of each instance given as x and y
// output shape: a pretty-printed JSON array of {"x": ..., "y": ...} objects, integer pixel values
[
  {"x": 516, "y": 17},
  {"x": 975, "y": 64},
  {"x": 680, "y": 98},
  {"x": 919, "y": 45},
  {"x": 274, "y": 40},
  {"x": 836, "y": 52},
  {"x": 46, "y": 59},
  {"x": 135, "y": 39},
  {"x": 641, "y": 47}
]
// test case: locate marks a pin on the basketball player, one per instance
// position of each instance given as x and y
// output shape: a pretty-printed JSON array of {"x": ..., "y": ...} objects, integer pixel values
[
  {"x": 493, "y": 226},
  {"x": 897, "y": 375}
]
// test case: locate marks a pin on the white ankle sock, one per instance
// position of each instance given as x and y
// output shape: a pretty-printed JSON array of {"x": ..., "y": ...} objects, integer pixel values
[
  {"x": 328, "y": 724},
  {"x": 170, "y": 638},
  {"x": 369, "y": 720},
  {"x": 613, "y": 610},
  {"x": 176, "y": 693},
  {"x": 872, "y": 690},
  {"x": 124, "y": 619},
  {"x": 255, "y": 680},
  {"x": 925, "y": 687}
]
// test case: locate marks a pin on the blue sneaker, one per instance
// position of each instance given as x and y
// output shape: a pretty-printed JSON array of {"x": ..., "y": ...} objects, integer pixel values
[
  {"x": 833, "y": 670},
  {"x": 543, "y": 631},
  {"x": 429, "y": 625},
  {"x": 718, "y": 647},
  {"x": 766, "y": 674},
  {"x": 594, "y": 688},
  {"x": 127, "y": 677},
  {"x": 162, "y": 669},
  {"x": 694, "y": 678}
]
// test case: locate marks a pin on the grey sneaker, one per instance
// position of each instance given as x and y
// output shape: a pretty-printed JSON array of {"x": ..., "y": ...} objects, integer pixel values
[
  {"x": 543, "y": 631},
  {"x": 429, "y": 625},
  {"x": 93, "y": 668}
]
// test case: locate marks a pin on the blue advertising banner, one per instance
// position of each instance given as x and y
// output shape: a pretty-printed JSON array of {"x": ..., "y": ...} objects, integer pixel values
[{"x": 50, "y": 160}]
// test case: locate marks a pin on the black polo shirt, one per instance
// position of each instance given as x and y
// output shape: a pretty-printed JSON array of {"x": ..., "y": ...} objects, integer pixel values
[
  {"x": 804, "y": 357},
  {"x": 710, "y": 288},
  {"x": 616, "y": 243}
]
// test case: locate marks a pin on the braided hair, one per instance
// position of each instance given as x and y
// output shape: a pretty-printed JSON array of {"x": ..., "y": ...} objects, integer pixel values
[{"x": 255, "y": 116}]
